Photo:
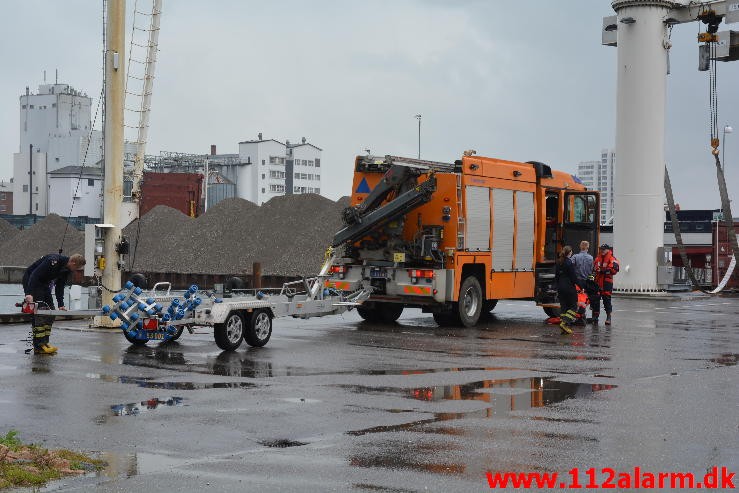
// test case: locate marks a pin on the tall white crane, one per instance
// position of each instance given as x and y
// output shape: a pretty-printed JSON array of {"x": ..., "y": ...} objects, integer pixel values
[
  {"x": 143, "y": 81},
  {"x": 640, "y": 31}
]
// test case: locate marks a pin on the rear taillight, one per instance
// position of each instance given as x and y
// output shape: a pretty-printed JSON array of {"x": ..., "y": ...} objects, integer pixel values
[
  {"x": 339, "y": 270},
  {"x": 151, "y": 324},
  {"x": 416, "y": 274}
]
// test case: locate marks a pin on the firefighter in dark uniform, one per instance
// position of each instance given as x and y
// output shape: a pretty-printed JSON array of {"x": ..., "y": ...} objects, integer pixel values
[
  {"x": 564, "y": 275},
  {"x": 47, "y": 273}
]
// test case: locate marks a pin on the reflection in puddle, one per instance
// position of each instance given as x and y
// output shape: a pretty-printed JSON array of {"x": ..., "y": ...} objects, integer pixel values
[
  {"x": 127, "y": 465},
  {"x": 726, "y": 359},
  {"x": 501, "y": 398},
  {"x": 136, "y": 408},
  {"x": 282, "y": 443},
  {"x": 149, "y": 383}
]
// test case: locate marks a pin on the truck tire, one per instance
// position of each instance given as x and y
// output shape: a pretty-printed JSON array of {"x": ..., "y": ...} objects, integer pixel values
[
  {"x": 489, "y": 305},
  {"x": 368, "y": 314},
  {"x": 381, "y": 312},
  {"x": 229, "y": 335},
  {"x": 258, "y": 328},
  {"x": 446, "y": 319},
  {"x": 552, "y": 311},
  {"x": 470, "y": 301}
]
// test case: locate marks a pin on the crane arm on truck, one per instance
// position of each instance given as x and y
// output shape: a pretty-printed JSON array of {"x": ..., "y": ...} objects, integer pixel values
[{"x": 362, "y": 220}]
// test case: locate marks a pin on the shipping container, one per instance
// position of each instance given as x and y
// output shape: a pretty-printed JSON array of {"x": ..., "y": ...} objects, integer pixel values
[
  {"x": 722, "y": 252},
  {"x": 181, "y": 191}
]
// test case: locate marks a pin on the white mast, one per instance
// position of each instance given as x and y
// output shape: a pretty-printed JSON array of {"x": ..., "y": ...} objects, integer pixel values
[
  {"x": 641, "y": 36},
  {"x": 113, "y": 185}
]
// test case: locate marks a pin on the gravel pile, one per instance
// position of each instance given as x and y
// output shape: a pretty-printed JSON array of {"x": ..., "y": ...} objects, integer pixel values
[
  {"x": 159, "y": 235},
  {"x": 7, "y": 231},
  {"x": 288, "y": 235},
  {"x": 44, "y": 237}
]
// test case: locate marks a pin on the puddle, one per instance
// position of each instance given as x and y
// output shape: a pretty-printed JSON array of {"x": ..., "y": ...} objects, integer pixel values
[
  {"x": 150, "y": 383},
  {"x": 137, "y": 408},
  {"x": 500, "y": 396},
  {"x": 282, "y": 443},
  {"x": 726, "y": 359}
]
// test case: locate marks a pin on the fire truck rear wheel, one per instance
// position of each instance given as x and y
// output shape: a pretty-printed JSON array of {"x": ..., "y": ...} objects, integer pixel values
[
  {"x": 258, "y": 328},
  {"x": 229, "y": 335},
  {"x": 446, "y": 319},
  {"x": 470, "y": 302},
  {"x": 381, "y": 312}
]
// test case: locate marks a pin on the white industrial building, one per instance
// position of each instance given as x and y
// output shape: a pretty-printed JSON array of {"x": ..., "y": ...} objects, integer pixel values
[
  {"x": 76, "y": 186},
  {"x": 55, "y": 125},
  {"x": 271, "y": 168},
  {"x": 598, "y": 175}
]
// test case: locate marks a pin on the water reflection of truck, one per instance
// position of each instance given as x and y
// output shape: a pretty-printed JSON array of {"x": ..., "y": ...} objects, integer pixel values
[{"x": 453, "y": 239}]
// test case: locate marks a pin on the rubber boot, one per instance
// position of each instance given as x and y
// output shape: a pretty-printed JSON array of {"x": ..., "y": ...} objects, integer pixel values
[
  {"x": 567, "y": 318},
  {"x": 608, "y": 319},
  {"x": 44, "y": 349}
]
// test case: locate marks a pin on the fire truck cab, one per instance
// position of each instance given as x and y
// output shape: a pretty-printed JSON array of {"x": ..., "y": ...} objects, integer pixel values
[{"x": 454, "y": 238}]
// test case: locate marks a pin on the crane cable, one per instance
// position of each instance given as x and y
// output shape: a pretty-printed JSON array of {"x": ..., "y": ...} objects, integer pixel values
[{"x": 723, "y": 192}]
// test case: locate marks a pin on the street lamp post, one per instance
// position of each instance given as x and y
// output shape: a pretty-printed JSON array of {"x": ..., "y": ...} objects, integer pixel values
[
  {"x": 418, "y": 117},
  {"x": 727, "y": 130}
]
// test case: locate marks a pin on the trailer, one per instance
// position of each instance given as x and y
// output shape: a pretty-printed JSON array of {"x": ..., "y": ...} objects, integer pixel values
[{"x": 246, "y": 315}]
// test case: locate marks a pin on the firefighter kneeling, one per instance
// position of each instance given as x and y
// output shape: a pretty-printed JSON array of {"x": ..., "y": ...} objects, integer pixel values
[{"x": 50, "y": 270}]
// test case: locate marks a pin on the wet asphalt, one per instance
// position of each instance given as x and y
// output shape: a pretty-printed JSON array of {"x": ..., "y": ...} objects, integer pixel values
[{"x": 336, "y": 404}]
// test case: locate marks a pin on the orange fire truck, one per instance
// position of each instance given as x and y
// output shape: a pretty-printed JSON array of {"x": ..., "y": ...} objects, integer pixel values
[{"x": 454, "y": 238}]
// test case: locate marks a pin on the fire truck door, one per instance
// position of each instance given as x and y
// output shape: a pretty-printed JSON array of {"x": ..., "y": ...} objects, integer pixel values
[{"x": 581, "y": 220}]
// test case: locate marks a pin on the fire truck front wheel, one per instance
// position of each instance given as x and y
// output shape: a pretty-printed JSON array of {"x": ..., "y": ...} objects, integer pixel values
[
  {"x": 470, "y": 302},
  {"x": 258, "y": 328},
  {"x": 229, "y": 334}
]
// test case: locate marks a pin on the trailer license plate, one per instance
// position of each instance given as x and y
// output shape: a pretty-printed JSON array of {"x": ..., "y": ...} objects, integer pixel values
[{"x": 377, "y": 272}]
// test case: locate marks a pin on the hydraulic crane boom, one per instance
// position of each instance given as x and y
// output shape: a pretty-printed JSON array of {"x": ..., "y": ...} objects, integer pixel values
[{"x": 368, "y": 215}]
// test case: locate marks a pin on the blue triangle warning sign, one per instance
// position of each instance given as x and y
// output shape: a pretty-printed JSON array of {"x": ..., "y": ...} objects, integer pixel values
[{"x": 363, "y": 187}]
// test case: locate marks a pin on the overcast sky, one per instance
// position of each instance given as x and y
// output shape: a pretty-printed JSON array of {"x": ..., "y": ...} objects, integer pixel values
[{"x": 516, "y": 80}]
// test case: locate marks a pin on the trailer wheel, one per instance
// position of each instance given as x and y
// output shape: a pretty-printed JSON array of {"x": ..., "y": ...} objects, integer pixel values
[
  {"x": 489, "y": 305},
  {"x": 178, "y": 333},
  {"x": 229, "y": 335},
  {"x": 552, "y": 311},
  {"x": 470, "y": 302},
  {"x": 258, "y": 328},
  {"x": 134, "y": 341}
]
